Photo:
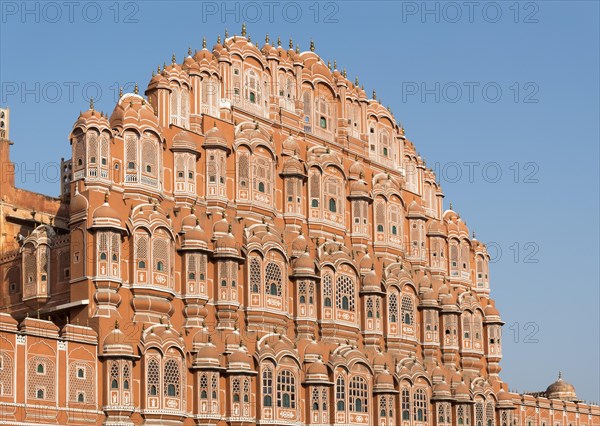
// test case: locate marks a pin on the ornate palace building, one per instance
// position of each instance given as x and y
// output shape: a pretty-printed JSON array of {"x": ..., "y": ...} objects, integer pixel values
[{"x": 253, "y": 240}]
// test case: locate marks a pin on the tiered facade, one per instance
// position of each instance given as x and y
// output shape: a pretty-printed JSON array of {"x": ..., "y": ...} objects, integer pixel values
[{"x": 254, "y": 241}]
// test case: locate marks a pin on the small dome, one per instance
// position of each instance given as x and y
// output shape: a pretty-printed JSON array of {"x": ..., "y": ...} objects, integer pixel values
[
  {"x": 190, "y": 221},
  {"x": 299, "y": 244},
  {"x": 215, "y": 137},
  {"x": 561, "y": 390},
  {"x": 293, "y": 167},
  {"x": 366, "y": 262},
  {"x": 371, "y": 281},
  {"x": 105, "y": 211},
  {"x": 312, "y": 350},
  {"x": 209, "y": 352},
  {"x": 106, "y": 217},
  {"x": 116, "y": 344},
  {"x": 317, "y": 369},
  {"x": 356, "y": 170},
  {"x": 384, "y": 379},
  {"x": 436, "y": 228},
  {"x": 78, "y": 203},
  {"x": 184, "y": 141},
  {"x": 504, "y": 396},
  {"x": 239, "y": 360},
  {"x": 416, "y": 211},
  {"x": 304, "y": 264},
  {"x": 291, "y": 145},
  {"x": 359, "y": 187},
  {"x": 221, "y": 226},
  {"x": 441, "y": 389},
  {"x": 490, "y": 311},
  {"x": 462, "y": 391}
]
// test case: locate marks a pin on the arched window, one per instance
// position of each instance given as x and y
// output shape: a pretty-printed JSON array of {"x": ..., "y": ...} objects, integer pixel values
[
  {"x": 393, "y": 307},
  {"x": 153, "y": 376},
  {"x": 327, "y": 290},
  {"x": 255, "y": 275},
  {"x": 273, "y": 279},
  {"x": 420, "y": 405},
  {"x": 479, "y": 413},
  {"x": 405, "y": 404},
  {"x": 358, "y": 394},
  {"x": 332, "y": 205},
  {"x": 204, "y": 386},
  {"x": 340, "y": 394},
  {"x": 345, "y": 292},
  {"x": 286, "y": 389},
  {"x": 40, "y": 369},
  {"x": 407, "y": 310},
  {"x": 235, "y": 386},
  {"x": 267, "y": 386}
]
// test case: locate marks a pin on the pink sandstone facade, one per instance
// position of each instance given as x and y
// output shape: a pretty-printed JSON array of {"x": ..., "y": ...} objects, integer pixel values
[{"x": 254, "y": 241}]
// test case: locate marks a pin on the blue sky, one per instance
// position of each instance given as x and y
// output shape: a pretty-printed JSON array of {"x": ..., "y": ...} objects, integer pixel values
[{"x": 501, "y": 98}]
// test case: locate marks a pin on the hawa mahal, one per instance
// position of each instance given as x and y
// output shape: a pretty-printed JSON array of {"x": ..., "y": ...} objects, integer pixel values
[{"x": 252, "y": 240}]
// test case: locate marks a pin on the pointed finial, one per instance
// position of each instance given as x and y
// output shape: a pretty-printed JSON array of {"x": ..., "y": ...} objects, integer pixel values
[
  {"x": 106, "y": 197},
  {"x": 329, "y": 65},
  {"x": 473, "y": 234},
  {"x": 334, "y": 64},
  {"x": 374, "y": 94},
  {"x": 204, "y": 42},
  {"x": 190, "y": 51},
  {"x": 249, "y": 39},
  {"x": 312, "y": 46},
  {"x": 136, "y": 89},
  {"x": 219, "y": 39},
  {"x": 226, "y": 33},
  {"x": 164, "y": 66},
  {"x": 450, "y": 205},
  {"x": 173, "y": 59},
  {"x": 116, "y": 324},
  {"x": 344, "y": 73},
  {"x": 92, "y": 104},
  {"x": 297, "y": 48},
  {"x": 229, "y": 229},
  {"x": 362, "y": 87},
  {"x": 278, "y": 41},
  {"x": 244, "y": 29},
  {"x": 267, "y": 38},
  {"x": 560, "y": 375}
]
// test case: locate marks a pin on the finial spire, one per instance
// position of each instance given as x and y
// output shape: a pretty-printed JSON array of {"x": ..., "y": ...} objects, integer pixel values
[
  {"x": 356, "y": 81},
  {"x": 106, "y": 197},
  {"x": 312, "y": 46},
  {"x": 374, "y": 94},
  {"x": 219, "y": 39},
  {"x": 116, "y": 324},
  {"x": 173, "y": 59},
  {"x": 190, "y": 50},
  {"x": 92, "y": 104},
  {"x": 344, "y": 73},
  {"x": 297, "y": 48},
  {"x": 291, "y": 43},
  {"x": 329, "y": 65},
  {"x": 267, "y": 38},
  {"x": 136, "y": 89},
  {"x": 244, "y": 29},
  {"x": 560, "y": 375},
  {"x": 278, "y": 41},
  {"x": 204, "y": 42},
  {"x": 334, "y": 64},
  {"x": 450, "y": 205}
]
